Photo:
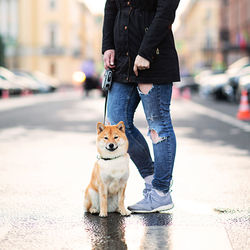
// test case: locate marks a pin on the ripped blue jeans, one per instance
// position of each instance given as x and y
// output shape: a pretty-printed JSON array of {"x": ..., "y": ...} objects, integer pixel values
[{"x": 123, "y": 100}]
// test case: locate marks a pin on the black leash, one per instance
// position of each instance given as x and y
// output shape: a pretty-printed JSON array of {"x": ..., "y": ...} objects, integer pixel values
[{"x": 105, "y": 106}]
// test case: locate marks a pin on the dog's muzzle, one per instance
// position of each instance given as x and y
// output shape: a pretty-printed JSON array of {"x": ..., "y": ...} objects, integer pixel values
[{"x": 111, "y": 147}]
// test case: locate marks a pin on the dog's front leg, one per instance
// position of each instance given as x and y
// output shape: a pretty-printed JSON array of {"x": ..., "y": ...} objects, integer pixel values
[
  {"x": 121, "y": 196},
  {"x": 103, "y": 197}
]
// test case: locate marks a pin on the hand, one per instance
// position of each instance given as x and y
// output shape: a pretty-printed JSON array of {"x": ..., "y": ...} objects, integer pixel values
[
  {"x": 140, "y": 64},
  {"x": 109, "y": 59}
]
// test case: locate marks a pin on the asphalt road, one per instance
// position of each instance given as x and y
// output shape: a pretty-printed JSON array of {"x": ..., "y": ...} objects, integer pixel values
[{"x": 47, "y": 150}]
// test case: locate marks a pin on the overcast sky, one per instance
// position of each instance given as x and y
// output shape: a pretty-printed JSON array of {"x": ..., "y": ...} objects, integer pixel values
[{"x": 97, "y": 6}]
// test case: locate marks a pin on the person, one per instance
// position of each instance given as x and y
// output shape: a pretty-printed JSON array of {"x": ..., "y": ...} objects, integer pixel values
[
  {"x": 89, "y": 84},
  {"x": 138, "y": 45}
]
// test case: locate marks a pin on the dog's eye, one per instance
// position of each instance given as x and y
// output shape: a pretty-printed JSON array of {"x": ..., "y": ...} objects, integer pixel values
[
  {"x": 105, "y": 137},
  {"x": 116, "y": 137}
]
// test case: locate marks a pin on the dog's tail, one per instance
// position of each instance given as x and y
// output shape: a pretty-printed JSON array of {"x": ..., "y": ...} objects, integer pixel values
[{"x": 86, "y": 203}]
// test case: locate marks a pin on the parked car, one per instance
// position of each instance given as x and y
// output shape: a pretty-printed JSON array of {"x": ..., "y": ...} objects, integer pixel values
[
  {"x": 235, "y": 67},
  {"x": 22, "y": 82},
  {"x": 12, "y": 87},
  {"x": 216, "y": 86},
  {"x": 50, "y": 81},
  {"x": 224, "y": 85},
  {"x": 4, "y": 85},
  {"x": 188, "y": 81},
  {"x": 199, "y": 78},
  {"x": 244, "y": 84},
  {"x": 234, "y": 80},
  {"x": 236, "y": 70},
  {"x": 38, "y": 85}
]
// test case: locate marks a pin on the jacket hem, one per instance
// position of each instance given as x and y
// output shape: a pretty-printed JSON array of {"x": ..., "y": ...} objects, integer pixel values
[{"x": 154, "y": 80}]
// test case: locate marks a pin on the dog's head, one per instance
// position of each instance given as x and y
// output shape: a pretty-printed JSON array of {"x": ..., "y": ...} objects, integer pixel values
[{"x": 111, "y": 140}]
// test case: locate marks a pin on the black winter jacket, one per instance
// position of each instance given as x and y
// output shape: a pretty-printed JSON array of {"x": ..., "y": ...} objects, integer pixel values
[{"x": 141, "y": 27}]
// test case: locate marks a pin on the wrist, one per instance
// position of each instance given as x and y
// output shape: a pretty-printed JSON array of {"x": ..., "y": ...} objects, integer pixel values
[{"x": 145, "y": 56}]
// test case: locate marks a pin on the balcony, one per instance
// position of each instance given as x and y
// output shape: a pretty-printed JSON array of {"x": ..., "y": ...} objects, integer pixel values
[{"x": 53, "y": 50}]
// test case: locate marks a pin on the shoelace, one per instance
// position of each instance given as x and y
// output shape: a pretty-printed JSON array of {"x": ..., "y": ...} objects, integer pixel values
[
  {"x": 146, "y": 191},
  {"x": 150, "y": 198}
]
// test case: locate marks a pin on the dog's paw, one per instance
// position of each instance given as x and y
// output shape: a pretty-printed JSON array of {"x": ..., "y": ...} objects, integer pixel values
[
  {"x": 93, "y": 210},
  {"x": 125, "y": 212},
  {"x": 101, "y": 214}
]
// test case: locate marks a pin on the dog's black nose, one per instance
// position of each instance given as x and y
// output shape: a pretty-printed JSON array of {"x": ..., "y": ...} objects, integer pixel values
[{"x": 111, "y": 145}]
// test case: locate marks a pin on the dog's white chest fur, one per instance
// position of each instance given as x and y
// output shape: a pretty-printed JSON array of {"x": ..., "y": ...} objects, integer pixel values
[{"x": 114, "y": 173}]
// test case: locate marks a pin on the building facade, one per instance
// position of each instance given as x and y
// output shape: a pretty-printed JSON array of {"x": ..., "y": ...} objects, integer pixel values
[
  {"x": 234, "y": 29},
  {"x": 51, "y": 36},
  {"x": 9, "y": 26},
  {"x": 197, "y": 36}
]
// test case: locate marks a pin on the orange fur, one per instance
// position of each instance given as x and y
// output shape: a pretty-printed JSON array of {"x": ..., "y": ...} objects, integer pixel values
[{"x": 106, "y": 190}]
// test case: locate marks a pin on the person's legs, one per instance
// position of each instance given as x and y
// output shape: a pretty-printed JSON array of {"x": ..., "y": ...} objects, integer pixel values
[
  {"x": 156, "y": 101},
  {"x": 123, "y": 100},
  {"x": 156, "y": 104}
]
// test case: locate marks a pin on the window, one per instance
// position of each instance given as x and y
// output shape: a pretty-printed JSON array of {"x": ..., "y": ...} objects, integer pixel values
[
  {"x": 52, "y": 35},
  {"x": 225, "y": 2},
  {"x": 52, "y": 4},
  {"x": 52, "y": 69}
]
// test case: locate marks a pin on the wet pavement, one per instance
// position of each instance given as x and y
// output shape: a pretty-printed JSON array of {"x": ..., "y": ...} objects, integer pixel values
[{"x": 47, "y": 151}]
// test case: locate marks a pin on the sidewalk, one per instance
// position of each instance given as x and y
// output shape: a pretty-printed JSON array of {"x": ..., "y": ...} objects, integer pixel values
[{"x": 44, "y": 170}]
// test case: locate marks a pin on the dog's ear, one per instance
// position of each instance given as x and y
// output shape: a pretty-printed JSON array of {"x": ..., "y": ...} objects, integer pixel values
[
  {"x": 121, "y": 126},
  {"x": 100, "y": 127}
]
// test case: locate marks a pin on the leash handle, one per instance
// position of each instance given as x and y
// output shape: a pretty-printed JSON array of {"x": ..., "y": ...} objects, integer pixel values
[{"x": 106, "y": 86}]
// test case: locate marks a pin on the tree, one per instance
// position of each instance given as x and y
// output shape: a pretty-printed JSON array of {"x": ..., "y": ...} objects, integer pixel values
[{"x": 2, "y": 57}]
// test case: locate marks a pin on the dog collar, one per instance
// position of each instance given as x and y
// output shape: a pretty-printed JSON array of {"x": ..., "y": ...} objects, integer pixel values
[{"x": 107, "y": 159}]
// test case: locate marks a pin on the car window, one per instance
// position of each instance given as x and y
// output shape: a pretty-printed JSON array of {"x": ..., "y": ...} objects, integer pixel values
[{"x": 2, "y": 77}]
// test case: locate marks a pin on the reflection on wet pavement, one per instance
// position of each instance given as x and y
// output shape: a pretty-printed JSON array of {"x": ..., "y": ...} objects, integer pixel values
[
  {"x": 134, "y": 232},
  {"x": 105, "y": 233}
]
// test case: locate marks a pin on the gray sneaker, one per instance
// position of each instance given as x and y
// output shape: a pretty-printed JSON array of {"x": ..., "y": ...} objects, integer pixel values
[
  {"x": 153, "y": 203},
  {"x": 148, "y": 188}
]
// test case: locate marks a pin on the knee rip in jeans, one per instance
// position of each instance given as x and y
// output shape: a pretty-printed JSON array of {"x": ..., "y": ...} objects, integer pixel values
[
  {"x": 145, "y": 88},
  {"x": 155, "y": 137}
]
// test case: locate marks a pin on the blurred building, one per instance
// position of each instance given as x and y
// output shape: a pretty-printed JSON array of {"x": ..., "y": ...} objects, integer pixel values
[
  {"x": 197, "y": 36},
  {"x": 92, "y": 35},
  {"x": 234, "y": 29},
  {"x": 52, "y": 36},
  {"x": 9, "y": 25}
]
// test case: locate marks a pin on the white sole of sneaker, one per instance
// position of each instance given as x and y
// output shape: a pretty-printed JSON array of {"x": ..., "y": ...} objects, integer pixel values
[{"x": 158, "y": 209}]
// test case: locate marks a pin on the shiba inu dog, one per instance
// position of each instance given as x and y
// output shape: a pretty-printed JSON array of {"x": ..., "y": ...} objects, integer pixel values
[{"x": 106, "y": 190}]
